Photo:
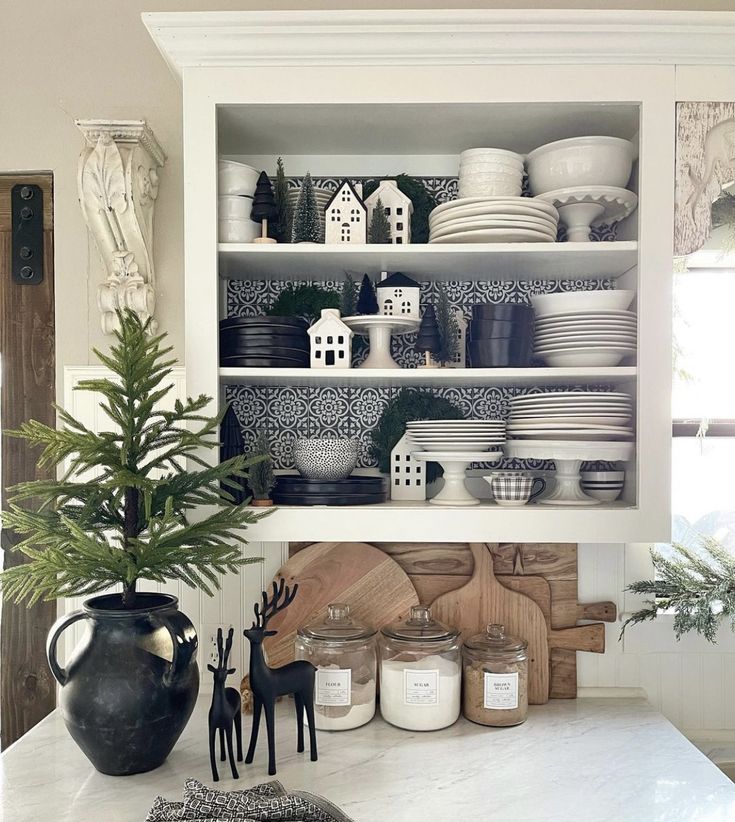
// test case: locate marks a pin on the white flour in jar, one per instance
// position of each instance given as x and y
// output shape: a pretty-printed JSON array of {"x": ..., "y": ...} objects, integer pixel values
[{"x": 420, "y": 695}]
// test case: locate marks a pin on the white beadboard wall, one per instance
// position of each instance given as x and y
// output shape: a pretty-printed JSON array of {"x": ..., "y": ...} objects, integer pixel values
[{"x": 691, "y": 682}]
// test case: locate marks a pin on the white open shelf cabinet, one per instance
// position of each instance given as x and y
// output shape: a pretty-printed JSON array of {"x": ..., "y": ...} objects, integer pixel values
[{"x": 349, "y": 120}]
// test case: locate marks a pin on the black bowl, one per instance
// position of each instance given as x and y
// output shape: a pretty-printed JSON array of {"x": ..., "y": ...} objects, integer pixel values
[
  {"x": 501, "y": 352},
  {"x": 490, "y": 329},
  {"x": 518, "y": 312}
]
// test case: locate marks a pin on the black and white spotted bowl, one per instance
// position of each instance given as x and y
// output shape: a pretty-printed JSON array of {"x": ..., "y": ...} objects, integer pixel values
[{"x": 325, "y": 458}]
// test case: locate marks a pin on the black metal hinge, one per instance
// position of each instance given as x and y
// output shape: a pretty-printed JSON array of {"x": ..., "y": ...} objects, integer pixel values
[{"x": 27, "y": 238}]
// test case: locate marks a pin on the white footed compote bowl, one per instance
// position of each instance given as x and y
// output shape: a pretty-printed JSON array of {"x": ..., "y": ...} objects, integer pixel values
[
  {"x": 568, "y": 456},
  {"x": 581, "y": 207},
  {"x": 379, "y": 328},
  {"x": 455, "y": 465}
]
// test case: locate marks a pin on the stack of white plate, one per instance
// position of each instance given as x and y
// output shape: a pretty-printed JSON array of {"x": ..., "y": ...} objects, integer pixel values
[
  {"x": 458, "y": 436},
  {"x": 571, "y": 415},
  {"x": 489, "y": 172},
  {"x": 584, "y": 328},
  {"x": 322, "y": 197},
  {"x": 236, "y": 187},
  {"x": 493, "y": 220}
]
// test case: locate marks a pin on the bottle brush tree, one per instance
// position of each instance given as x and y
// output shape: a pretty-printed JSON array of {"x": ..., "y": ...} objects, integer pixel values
[
  {"x": 448, "y": 327},
  {"x": 119, "y": 513},
  {"x": 261, "y": 479},
  {"x": 306, "y": 226},
  {"x": 348, "y": 297},
  {"x": 367, "y": 302},
  {"x": 283, "y": 210},
  {"x": 428, "y": 340},
  {"x": 379, "y": 229}
]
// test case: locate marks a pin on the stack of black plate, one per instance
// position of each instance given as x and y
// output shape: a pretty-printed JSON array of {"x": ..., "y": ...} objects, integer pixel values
[
  {"x": 356, "y": 490},
  {"x": 263, "y": 342}
]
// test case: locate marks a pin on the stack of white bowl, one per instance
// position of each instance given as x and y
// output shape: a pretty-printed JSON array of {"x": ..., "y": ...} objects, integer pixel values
[
  {"x": 490, "y": 172},
  {"x": 578, "y": 328},
  {"x": 237, "y": 183},
  {"x": 322, "y": 197},
  {"x": 458, "y": 436}
]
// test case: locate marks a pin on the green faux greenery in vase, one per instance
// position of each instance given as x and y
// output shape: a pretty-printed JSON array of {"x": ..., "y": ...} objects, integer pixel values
[
  {"x": 261, "y": 479},
  {"x": 123, "y": 511},
  {"x": 696, "y": 584}
]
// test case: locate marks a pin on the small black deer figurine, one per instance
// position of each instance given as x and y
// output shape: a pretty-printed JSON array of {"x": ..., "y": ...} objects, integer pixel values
[
  {"x": 224, "y": 710},
  {"x": 266, "y": 683}
]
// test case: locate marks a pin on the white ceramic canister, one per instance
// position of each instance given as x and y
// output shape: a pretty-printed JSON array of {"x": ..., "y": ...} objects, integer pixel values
[
  {"x": 236, "y": 178},
  {"x": 344, "y": 653},
  {"x": 420, "y": 672}
]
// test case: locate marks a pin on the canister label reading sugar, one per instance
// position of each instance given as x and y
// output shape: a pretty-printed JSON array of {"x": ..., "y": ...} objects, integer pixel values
[
  {"x": 333, "y": 686},
  {"x": 420, "y": 687},
  {"x": 501, "y": 691}
]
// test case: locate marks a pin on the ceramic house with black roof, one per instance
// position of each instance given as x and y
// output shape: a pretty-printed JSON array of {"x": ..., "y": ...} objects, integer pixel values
[
  {"x": 330, "y": 341},
  {"x": 345, "y": 215},
  {"x": 398, "y": 209},
  {"x": 399, "y": 296}
]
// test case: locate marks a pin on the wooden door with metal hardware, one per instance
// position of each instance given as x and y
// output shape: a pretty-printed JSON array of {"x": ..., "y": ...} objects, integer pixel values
[{"x": 27, "y": 390}]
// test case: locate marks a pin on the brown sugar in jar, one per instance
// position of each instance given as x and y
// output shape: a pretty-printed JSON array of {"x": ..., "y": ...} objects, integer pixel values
[{"x": 495, "y": 678}]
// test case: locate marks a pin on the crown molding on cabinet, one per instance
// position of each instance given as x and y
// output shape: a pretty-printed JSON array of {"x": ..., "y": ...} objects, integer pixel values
[{"x": 441, "y": 37}]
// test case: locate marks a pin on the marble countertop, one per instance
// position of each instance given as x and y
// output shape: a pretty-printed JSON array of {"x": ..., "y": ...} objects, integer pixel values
[{"x": 590, "y": 759}]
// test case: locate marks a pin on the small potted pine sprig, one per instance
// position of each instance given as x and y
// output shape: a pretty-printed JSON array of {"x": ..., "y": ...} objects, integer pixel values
[{"x": 260, "y": 476}]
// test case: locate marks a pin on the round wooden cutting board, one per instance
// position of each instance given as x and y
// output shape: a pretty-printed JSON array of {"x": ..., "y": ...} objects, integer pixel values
[{"x": 375, "y": 587}]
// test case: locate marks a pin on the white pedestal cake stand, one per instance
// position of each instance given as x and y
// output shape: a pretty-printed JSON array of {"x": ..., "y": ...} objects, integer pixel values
[
  {"x": 455, "y": 464},
  {"x": 379, "y": 329},
  {"x": 568, "y": 457}
]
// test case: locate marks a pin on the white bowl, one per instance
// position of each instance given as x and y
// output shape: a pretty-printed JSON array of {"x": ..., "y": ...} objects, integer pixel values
[
  {"x": 560, "y": 302},
  {"x": 580, "y": 161},
  {"x": 604, "y": 494},
  {"x": 493, "y": 186},
  {"x": 234, "y": 207},
  {"x": 603, "y": 476},
  {"x": 237, "y": 178},
  {"x": 488, "y": 166},
  {"x": 497, "y": 154},
  {"x": 238, "y": 231},
  {"x": 325, "y": 458},
  {"x": 589, "y": 358}
]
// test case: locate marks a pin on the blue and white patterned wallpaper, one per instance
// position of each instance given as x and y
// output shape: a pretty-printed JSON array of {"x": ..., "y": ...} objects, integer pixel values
[{"x": 287, "y": 412}]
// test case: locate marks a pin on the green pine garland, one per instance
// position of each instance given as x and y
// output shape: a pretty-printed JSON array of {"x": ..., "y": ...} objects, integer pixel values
[
  {"x": 130, "y": 521},
  {"x": 698, "y": 585},
  {"x": 409, "y": 405}
]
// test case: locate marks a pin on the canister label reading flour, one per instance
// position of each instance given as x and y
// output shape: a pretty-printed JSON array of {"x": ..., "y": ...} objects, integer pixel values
[
  {"x": 420, "y": 687},
  {"x": 501, "y": 691},
  {"x": 333, "y": 686}
]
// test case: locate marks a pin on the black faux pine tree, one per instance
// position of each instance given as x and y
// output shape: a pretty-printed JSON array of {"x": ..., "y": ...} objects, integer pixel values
[
  {"x": 429, "y": 339},
  {"x": 264, "y": 206},
  {"x": 367, "y": 302}
]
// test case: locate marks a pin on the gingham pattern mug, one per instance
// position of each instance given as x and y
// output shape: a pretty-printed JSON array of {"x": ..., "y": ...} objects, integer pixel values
[{"x": 515, "y": 489}]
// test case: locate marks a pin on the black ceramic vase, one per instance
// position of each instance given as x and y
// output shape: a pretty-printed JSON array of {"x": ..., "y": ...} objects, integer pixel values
[{"x": 130, "y": 685}]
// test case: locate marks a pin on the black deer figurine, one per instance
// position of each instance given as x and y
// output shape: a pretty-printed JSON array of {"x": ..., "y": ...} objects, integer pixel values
[
  {"x": 225, "y": 710},
  {"x": 266, "y": 683}
]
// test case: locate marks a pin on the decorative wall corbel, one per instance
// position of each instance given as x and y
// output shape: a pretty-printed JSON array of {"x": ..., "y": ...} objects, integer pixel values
[{"x": 118, "y": 186}]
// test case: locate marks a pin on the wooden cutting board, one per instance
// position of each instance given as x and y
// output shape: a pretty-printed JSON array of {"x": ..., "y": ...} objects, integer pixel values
[
  {"x": 580, "y": 638},
  {"x": 483, "y": 600},
  {"x": 375, "y": 587}
]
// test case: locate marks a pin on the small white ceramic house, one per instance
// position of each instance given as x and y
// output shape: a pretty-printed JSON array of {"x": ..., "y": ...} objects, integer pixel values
[
  {"x": 399, "y": 296},
  {"x": 345, "y": 216},
  {"x": 407, "y": 475},
  {"x": 398, "y": 209},
  {"x": 330, "y": 341}
]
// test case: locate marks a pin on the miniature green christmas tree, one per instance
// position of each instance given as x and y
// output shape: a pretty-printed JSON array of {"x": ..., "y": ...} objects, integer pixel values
[
  {"x": 264, "y": 207},
  {"x": 283, "y": 215},
  {"x": 448, "y": 327},
  {"x": 367, "y": 302},
  {"x": 132, "y": 520},
  {"x": 429, "y": 339},
  {"x": 379, "y": 230},
  {"x": 306, "y": 227},
  {"x": 348, "y": 304},
  {"x": 261, "y": 479}
]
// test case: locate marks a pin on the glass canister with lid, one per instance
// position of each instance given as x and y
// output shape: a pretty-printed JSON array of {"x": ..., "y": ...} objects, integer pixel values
[
  {"x": 420, "y": 672},
  {"x": 495, "y": 678},
  {"x": 344, "y": 653}
]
